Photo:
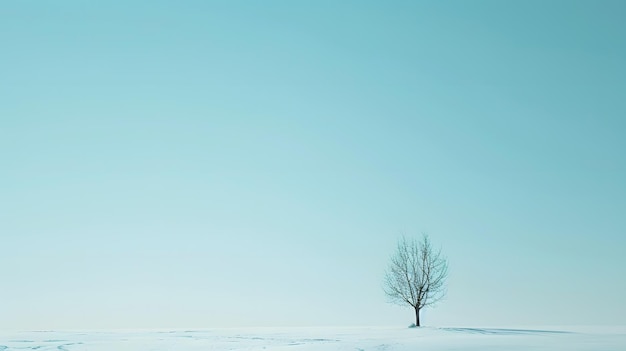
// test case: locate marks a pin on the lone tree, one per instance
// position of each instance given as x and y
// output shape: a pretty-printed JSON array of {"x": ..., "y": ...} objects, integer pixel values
[{"x": 416, "y": 275}]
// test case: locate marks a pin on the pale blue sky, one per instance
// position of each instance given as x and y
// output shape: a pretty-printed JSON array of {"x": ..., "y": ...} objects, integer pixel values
[{"x": 248, "y": 163}]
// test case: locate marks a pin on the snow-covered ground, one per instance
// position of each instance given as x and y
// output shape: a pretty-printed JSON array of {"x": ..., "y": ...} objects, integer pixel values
[{"x": 354, "y": 339}]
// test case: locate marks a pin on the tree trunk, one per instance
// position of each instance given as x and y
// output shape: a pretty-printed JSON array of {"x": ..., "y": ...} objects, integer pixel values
[{"x": 417, "y": 316}]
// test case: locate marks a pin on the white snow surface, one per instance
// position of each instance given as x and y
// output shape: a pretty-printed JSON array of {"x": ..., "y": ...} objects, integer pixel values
[{"x": 340, "y": 338}]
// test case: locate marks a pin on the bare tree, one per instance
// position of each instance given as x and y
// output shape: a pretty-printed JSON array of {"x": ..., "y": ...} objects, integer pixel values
[{"x": 416, "y": 275}]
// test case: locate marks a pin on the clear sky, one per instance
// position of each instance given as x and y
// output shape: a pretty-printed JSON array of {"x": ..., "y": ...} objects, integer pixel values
[{"x": 252, "y": 163}]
